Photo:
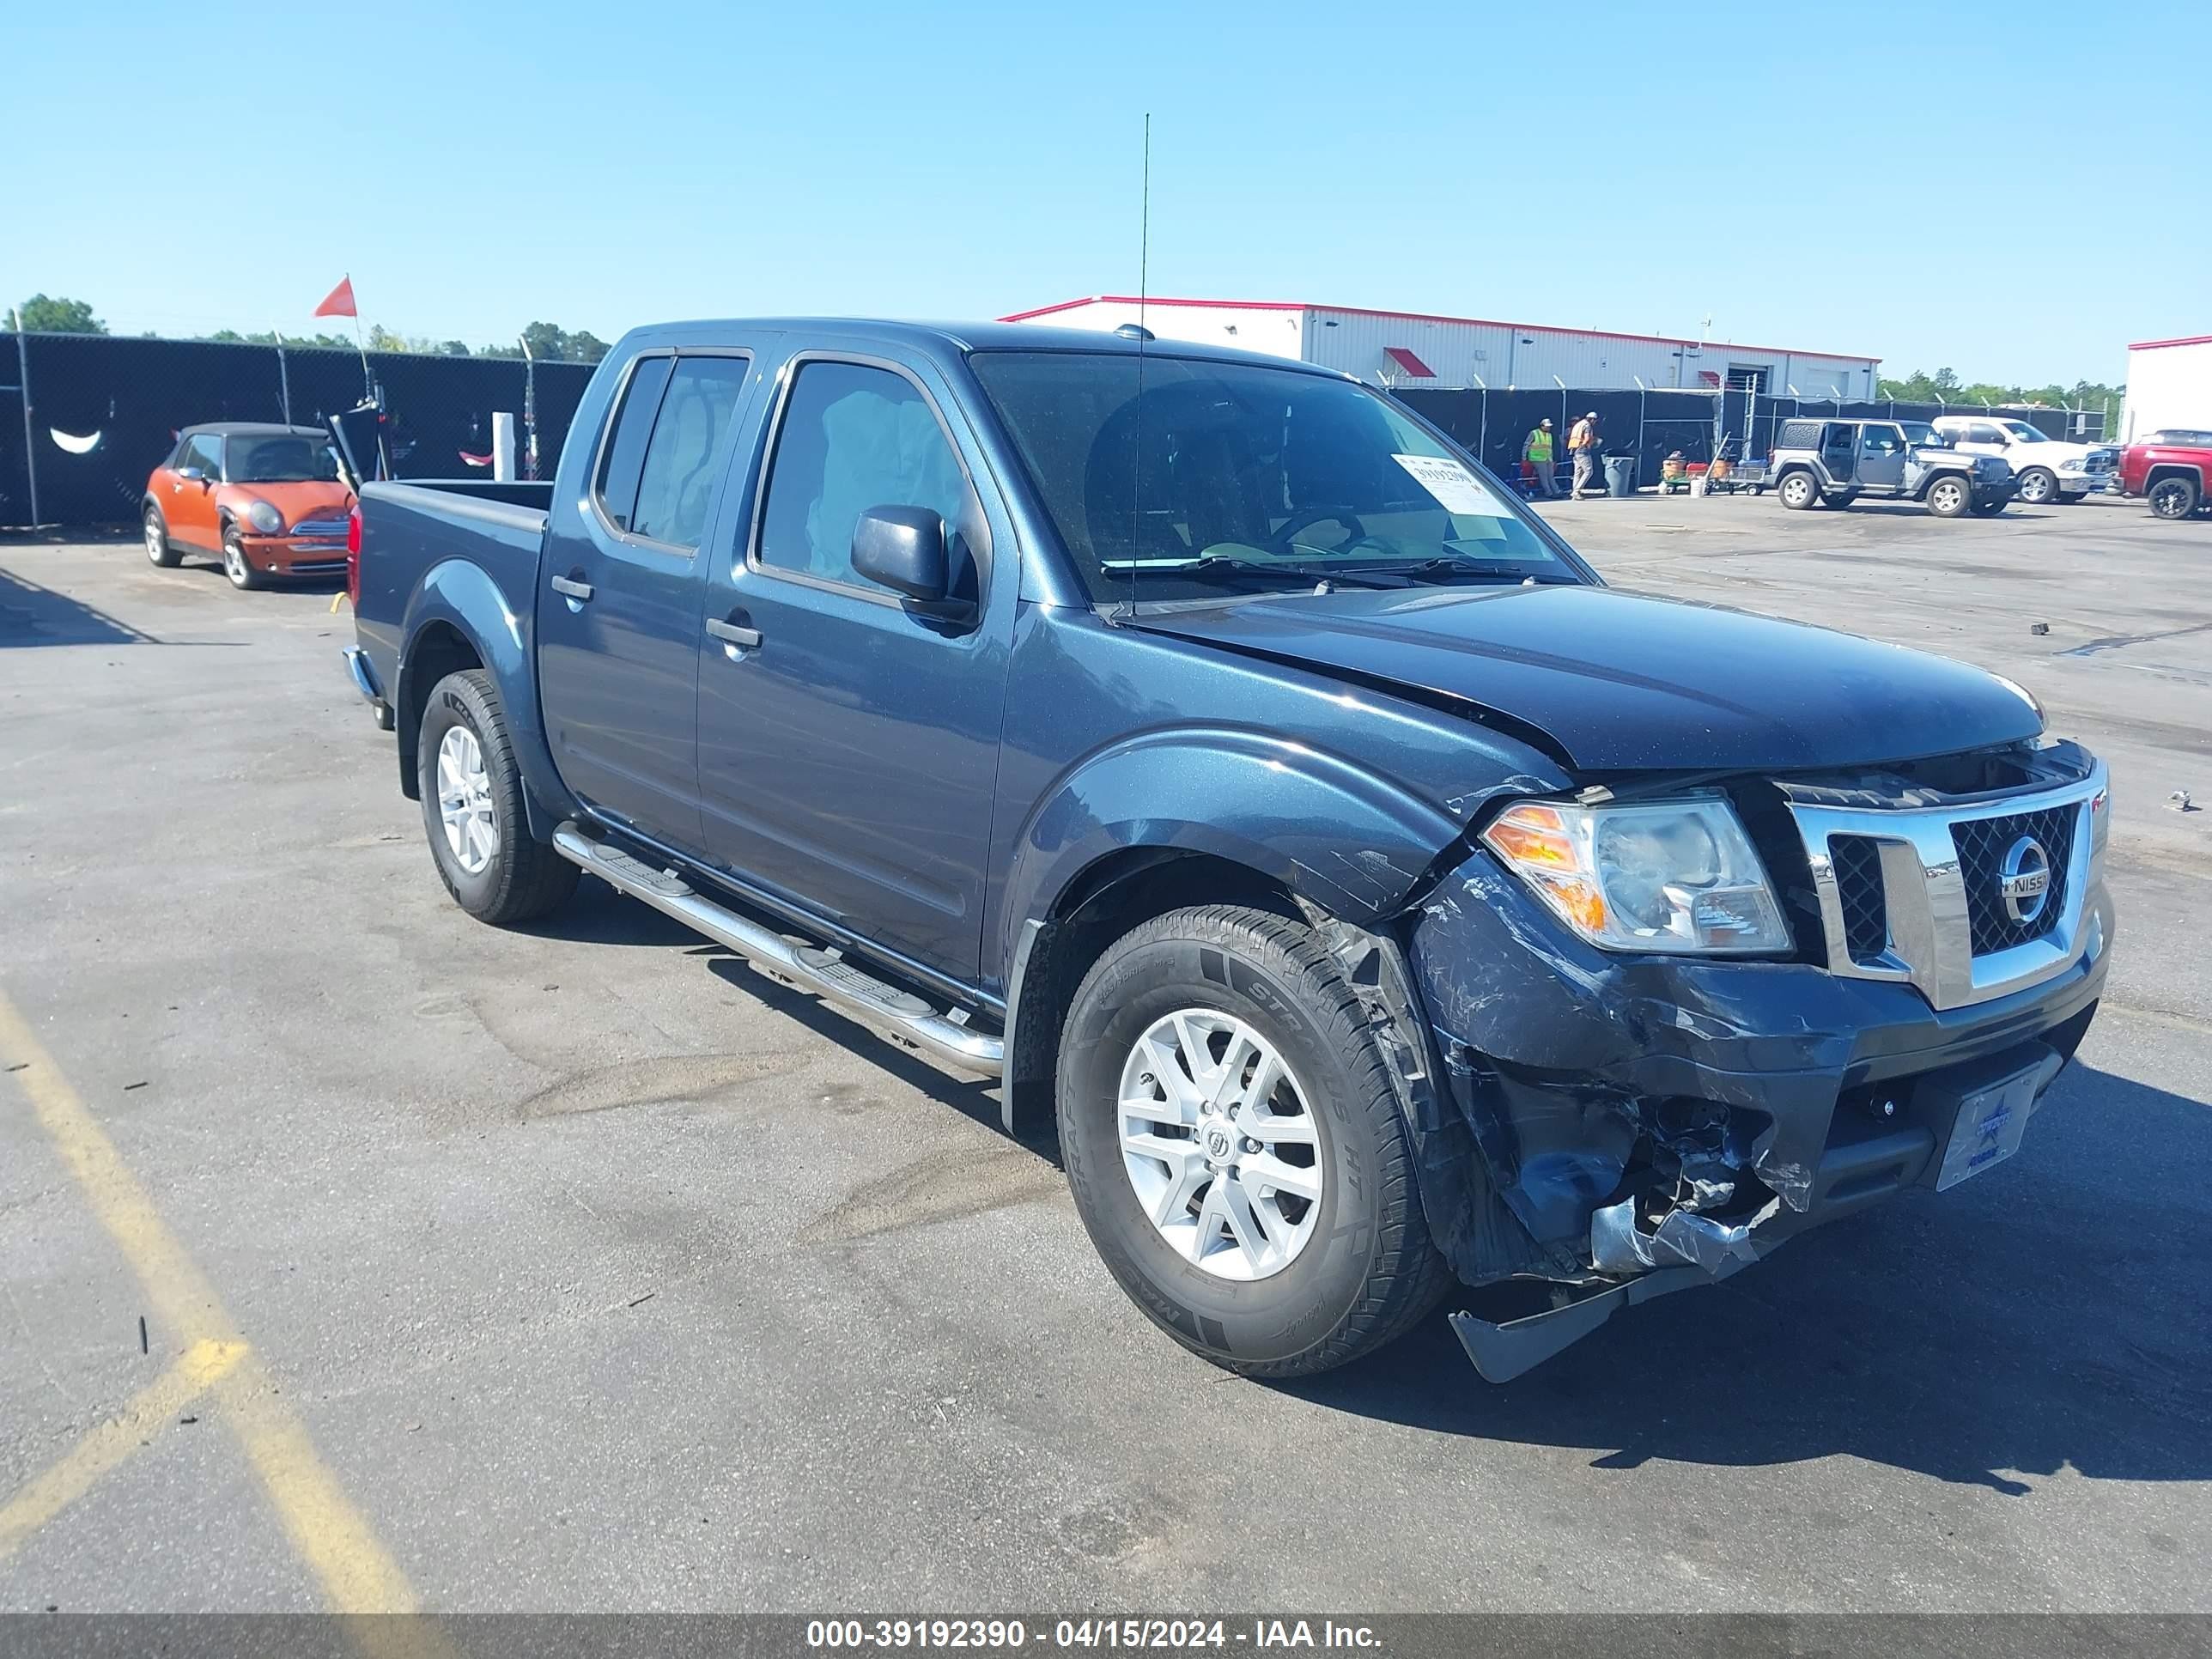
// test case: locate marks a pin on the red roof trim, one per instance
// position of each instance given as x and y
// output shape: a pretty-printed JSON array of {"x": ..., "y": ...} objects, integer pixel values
[
  {"x": 2153, "y": 345},
  {"x": 1407, "y": 361},
  {"x": 1437, "y": 317}
]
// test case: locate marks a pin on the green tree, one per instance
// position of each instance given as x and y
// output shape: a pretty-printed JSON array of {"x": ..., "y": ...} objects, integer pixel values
[
  {"x": 551, "y": 343},
  {"x": 40, "y": 315}
]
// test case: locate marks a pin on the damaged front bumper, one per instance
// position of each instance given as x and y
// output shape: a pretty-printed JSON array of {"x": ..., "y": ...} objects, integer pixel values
[{"x": 1622, "y": 1127}]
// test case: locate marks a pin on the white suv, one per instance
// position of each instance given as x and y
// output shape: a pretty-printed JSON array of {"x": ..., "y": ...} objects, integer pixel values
[{"x": 2048, "y": 469}]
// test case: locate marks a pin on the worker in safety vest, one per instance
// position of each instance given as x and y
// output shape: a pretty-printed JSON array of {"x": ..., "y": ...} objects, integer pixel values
[
  {"x": 1536, "y": 457},
  {"x": 1582, "y": 448}
]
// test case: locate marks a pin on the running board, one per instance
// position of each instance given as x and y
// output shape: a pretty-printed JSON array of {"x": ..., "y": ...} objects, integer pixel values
[{"x": 825, "y": 973}]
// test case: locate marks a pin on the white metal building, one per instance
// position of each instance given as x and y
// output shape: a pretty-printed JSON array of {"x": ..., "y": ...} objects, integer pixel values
[
  {"x": 1414, "y": 349},
  {"x": 2169, "y": 384}
]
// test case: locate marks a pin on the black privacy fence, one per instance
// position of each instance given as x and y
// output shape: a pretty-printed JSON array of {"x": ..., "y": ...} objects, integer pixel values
[
  {"x": 104, "y": 412},
  {"x": 1655, "y": 424}
]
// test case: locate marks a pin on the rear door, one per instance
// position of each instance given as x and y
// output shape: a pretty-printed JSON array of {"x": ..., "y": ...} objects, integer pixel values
[
  {"x": 619, "y": 593},
  {"x": 849, "y": 745},
  {"x": 1839, "y": 452},
  {"x": 189, "y": 505}
]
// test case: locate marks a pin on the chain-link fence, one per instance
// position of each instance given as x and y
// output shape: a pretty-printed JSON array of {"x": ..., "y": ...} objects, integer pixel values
[{"x": 85, "y": 418}]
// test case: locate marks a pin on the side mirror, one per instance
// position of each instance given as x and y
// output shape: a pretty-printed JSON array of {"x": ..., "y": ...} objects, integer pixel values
[
  {"x": 903, "y": 548},
  {"x": 191, "y": 475}
]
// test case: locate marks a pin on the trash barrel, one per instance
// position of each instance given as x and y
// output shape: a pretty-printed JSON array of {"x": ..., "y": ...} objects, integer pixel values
[{"x": 1621, "y": 475}]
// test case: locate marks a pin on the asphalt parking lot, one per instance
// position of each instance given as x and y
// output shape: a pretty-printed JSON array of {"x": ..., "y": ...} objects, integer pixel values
[{"x": 582, "y": 1268}]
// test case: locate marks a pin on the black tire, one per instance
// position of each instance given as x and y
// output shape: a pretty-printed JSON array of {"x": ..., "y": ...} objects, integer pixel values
[
  {"x": 1988, "y": 506},
  {"x": 1798, "y": 490},
  {"x": 2039, "y": 486},
  {"x": 523, "y": 878},
  {"x": 160, "y": 549},
  {"x": 1949, "y": 496},
  {"x": 1368, "y": 1271},
  {"x": 237, "y": 569},
  {"x": 2172, "y": 499},
  {"x": 1842, "y": 498}
]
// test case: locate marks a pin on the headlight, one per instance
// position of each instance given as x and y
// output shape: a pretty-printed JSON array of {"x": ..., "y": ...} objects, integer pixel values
[
  {"x": 264, "y": 517},
  {"x": 1676, "y": 876}
]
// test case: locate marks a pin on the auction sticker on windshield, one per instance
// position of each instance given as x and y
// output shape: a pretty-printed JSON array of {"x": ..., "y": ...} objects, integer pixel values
[{"x": 1457, "y": 490}]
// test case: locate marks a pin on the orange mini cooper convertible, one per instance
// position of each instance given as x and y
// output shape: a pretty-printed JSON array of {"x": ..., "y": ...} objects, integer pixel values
[{"x": 267, "y": 500}]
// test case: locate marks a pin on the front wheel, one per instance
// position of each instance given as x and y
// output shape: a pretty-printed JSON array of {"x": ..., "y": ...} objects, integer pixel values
[
  {"x": 158, "y": 548},
  {"x": 1988, "y": 506},
  {"x": 236, "y": 565},
  {"x": 1798, "y": 492},
  {"x": 472, "y": 810},
  {"x": 2173, "y": 498},
  {"x": 1949, "y": 497},
  {"x": 2038, "y": 485},
  {"x": 1235, "y": 1148}
]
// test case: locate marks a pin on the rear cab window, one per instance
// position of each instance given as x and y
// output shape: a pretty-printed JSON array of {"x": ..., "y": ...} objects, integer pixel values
[{"x": 660, "y": 459}]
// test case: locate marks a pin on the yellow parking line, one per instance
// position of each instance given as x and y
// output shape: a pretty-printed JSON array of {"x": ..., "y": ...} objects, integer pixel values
[
  {"x": 357, "y": 1574},
  {"x": 114, "y": 1440}
]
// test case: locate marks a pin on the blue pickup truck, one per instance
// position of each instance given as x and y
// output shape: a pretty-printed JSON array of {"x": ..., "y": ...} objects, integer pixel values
[{"x": 1208, "y": 748}]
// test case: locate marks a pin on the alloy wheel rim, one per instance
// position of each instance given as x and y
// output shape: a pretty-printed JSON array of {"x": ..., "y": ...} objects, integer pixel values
[
  {"x": 2034, "y": 488},
  {"x": 1220, "y": 1145},
  {"x": 464, "y": 801},
  {"x": 233, "y": 562},
  {"x": 153, "y": 538},
  {"x": 1948, "y": 494},
  {"x": 1797, "y": 490}
]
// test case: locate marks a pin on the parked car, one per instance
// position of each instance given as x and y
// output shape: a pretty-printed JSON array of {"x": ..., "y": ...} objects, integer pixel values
[
  {"x": 1833, "y": 463},
  {"x": 1206, "y": 747},
  {"x": 2169, "y": 470},
  {"x": 2047, "y": 469},
  {"x": 267, "y": 501}
]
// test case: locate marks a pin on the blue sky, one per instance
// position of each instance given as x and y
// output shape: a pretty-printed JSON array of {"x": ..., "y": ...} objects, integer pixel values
[{"x": 2015, "y": 191}]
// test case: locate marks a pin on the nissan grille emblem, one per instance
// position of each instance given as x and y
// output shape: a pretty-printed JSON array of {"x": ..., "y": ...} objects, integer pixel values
[{"x": 2024, "y": 880}]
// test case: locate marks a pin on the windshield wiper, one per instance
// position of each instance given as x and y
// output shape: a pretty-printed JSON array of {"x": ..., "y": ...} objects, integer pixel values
[
  {"x": 1470, "y": 569},
  {"x": 1223, "y": 564}
]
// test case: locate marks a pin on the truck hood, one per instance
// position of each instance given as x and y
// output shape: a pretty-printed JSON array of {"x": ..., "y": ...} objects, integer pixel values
[{"x": 1616, "y": 681}]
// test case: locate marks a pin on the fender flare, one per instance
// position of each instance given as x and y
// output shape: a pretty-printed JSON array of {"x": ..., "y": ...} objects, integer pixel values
[
  {"x": 1276, "y": 805},
  {"x": 461, "y": 595}
]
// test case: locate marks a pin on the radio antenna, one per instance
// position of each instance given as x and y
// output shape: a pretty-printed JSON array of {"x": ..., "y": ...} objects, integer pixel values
[{"x": 1143, "y": 338}]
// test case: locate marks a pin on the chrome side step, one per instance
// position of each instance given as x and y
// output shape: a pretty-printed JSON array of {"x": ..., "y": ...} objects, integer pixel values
[{"x": 821, "y": 972}]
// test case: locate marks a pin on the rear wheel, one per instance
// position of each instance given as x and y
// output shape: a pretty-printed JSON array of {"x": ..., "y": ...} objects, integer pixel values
[
  {"x": 1949, "y": 497},
  {"x": 2038, "y": 485},
  {"x": 1798, "y": 491},
  {"x": 1842, "y": 498},
  {"x": 472, "y": 811},
  {"x": 2173, "y": 498},
  {"x": 236, "y": 565},
  {"x": 1235, "y": 1148},
  {"x": 1988, "y": 506},
  {"x": 158, "y": 550}
]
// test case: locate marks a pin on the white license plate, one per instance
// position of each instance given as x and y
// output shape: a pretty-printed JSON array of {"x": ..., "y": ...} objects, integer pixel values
[{"x": 1990, "y": 1126}]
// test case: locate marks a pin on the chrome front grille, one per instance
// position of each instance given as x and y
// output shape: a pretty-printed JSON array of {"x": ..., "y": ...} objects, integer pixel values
[
  {"x": 334, "y": 528},
  {"x": 1982, "y": 844},
  {"x": 1920, "y": 894}
]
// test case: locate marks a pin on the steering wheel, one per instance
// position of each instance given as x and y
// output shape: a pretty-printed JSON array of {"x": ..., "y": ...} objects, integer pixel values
[{"x": 1281, "y": 541}]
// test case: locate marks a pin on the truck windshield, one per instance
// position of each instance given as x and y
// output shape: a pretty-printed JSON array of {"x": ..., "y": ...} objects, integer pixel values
[
  {"x": 282, "y": 460},
  {"x": 1229, "y": 475}
]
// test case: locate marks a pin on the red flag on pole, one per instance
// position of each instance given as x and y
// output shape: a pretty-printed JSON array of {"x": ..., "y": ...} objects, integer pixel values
[{"x": 338, "y": 302}]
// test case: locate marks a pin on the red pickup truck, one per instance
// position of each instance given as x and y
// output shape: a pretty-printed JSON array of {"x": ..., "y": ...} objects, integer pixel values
[{"x": 2171, "y": 469}]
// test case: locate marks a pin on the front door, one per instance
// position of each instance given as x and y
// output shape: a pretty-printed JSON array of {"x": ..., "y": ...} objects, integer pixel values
[
  {"x": 189, "y": 504},
  {"x": 1882, "y": 457},
  {"x": 849, "y": 745},
  {"x": 619, "y": 594}
]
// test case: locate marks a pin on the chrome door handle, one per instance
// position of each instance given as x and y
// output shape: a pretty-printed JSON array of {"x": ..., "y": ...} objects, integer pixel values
[
  {"x": 574, "y": 590},
  {"x": 733, "y": 632}
]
